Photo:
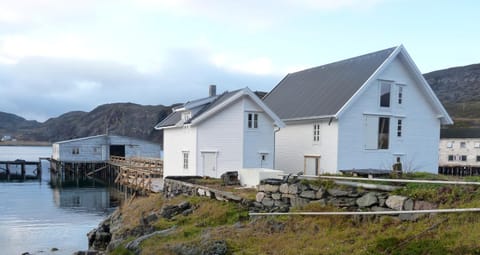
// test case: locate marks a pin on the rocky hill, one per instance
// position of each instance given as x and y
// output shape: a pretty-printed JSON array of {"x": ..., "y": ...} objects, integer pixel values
[
  {"x": 458, "y": 89},
  {"x": 120, "y": 118}
]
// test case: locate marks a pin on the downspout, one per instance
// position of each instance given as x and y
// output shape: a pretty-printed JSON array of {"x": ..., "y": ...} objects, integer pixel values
[{"x": 274, "y": 143}]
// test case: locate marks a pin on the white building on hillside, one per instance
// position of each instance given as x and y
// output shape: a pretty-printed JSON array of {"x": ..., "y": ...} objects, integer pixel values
[
  {"x": 359, "y": 113},
  {"x": 227, "y": 132}
]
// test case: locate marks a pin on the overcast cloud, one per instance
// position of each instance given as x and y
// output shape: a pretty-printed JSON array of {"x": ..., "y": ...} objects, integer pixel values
[{"x": 64, "y": 55}]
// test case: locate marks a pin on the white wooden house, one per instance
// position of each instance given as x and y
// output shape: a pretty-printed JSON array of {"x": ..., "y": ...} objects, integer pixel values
[
  {"x": 359, "y": 113},
  {"x": 219, "y": 133},
  {"x": 98, "y": 149}
]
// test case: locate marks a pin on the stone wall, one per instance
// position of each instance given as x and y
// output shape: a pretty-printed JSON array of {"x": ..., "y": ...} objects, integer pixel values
[
  {"x": 174, "y": 186},
  {"x": 281, "y": 196}
]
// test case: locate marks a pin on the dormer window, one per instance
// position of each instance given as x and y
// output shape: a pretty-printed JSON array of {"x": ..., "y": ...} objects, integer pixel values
[
  {"x": 186, "y": 116},
  {"x": 385, "y": 89}
]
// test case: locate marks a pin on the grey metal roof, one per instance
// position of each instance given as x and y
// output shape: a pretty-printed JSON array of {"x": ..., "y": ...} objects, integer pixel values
[
  {"x": 323, "y": 90},
  {"x": 175, "y": 117}
]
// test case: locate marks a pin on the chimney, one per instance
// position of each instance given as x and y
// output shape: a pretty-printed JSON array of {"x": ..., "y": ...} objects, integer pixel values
[{"x": 212, "y": 90}]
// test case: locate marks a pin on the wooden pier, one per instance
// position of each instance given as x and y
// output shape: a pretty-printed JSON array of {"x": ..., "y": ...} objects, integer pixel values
[
  {"x": 139, "y": 174},
  {"x": 6, "y": 168}
]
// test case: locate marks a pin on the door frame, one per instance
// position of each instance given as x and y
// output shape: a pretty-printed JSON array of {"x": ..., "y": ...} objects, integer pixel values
[
  {"x": 317, "y": 163},
  {"x": 203, "y": 153}
]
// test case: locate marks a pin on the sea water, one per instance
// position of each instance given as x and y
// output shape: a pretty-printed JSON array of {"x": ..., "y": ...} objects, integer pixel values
[{"x": 39, "y": 217}]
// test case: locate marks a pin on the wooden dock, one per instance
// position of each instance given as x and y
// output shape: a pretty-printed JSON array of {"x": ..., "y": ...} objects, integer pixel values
[
  {"x": 140, "y": 174},
  {"x": 6, "y": 169}
]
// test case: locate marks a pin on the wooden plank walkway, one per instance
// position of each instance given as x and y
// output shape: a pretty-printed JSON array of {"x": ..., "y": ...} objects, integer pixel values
[{"x": 140, "y": 174}]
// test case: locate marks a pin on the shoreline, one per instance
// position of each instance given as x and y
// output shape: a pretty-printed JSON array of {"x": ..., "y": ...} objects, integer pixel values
[{"x": 26, "y": 143}]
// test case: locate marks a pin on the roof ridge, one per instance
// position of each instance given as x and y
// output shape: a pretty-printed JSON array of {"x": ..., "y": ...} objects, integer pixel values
[{"x": 348, "y": 59}]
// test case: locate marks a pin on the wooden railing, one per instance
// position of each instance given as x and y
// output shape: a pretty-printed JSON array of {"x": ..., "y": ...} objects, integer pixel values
[{"x": 137, "y": 173}]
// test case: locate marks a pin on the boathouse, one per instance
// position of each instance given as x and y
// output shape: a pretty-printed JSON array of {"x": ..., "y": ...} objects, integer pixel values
[{"x": 99, "y": 149}]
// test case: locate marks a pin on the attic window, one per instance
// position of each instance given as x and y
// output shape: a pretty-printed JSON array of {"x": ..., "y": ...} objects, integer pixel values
[
  {"x": 186, "y": 116},
  {"x": 252, "y": 120},
  {"x": 385, "y": 88}
]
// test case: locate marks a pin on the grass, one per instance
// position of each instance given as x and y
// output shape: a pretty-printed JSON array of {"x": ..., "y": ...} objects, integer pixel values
[{"x": 215, "y": 220}]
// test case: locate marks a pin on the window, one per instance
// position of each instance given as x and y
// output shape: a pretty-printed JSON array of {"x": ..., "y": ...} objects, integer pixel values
[
  {"x": 383, "y": 132},
  {"x": 385, "y": 94},
  {"x": 400, "y": 94},
  {"x": 252, "y": 120},
  {"x": 463, "y": 158},
  {"x": 76, "y": 151},
  {"x": 316, "y": 132},
  {"x": 399, "y": 128},
  {"x": 463, "y": 144},
  {"x": 186, "y": 116},
  {"x": 185, "y": 160},
  {"x": 451, "y": 158},
  {"x": 449, "y": 144},
  {"x": 478, "y": 158},
  {"x": 476, "y": 145}
]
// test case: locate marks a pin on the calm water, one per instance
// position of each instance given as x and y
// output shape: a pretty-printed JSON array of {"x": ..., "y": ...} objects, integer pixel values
[{"x": 36, "y": 216}]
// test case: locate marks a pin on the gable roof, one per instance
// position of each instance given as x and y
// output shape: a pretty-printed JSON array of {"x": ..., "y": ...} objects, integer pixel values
[
  {"x": 326, "y": 91},
  {"x": 204, "y": 108}
]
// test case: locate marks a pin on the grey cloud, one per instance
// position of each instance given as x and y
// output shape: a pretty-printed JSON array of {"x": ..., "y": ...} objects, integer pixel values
[{"x": 39, "y": 88}]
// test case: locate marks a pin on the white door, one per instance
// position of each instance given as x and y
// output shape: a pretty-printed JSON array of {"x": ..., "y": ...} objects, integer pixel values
[
  {"x": 311, "y": 165},
  {"x": 210, "y": 164}
]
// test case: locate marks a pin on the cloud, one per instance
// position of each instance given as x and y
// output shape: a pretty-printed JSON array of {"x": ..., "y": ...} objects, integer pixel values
[{"x": 43, "y": 87}]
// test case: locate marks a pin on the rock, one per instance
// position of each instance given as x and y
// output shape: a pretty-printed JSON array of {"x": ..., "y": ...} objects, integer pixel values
[
  {"x": 337, "y": 192},
  {"x": 261, "y": 187},
  {"x": 259, "y": 197},
  {"x": 367, "y": 200},
  {"x": 343, "y": 202},
  {"x": 379, "y": 209},
  {"x": 298, "y": 201},
  {"x": 151, "y": 218},
  {"x": 284, "y": 188},
  {"x": 410, "y": 216},
  {"x": 201, "y": 192},
  {"x": 293, "y": 189},
  {"x": 268, "y": 202},
  {"x": 216, "y": 248},
  {"x": 134, "y": 245},
  {"x": 314, "y": 187},
  {"x": 302, "y": 187},
  {"x": 271, "y": 188},
  {"x": 408, "y": 204},
  {"x": 319, "y": 194},
  {"x": 276, "y": 196},
  {"x": 187, "y": 212},
  {"x": 395, "y": 202},
  {"x": 88, "y": 253},
  {"x": 310, "y": 194}
]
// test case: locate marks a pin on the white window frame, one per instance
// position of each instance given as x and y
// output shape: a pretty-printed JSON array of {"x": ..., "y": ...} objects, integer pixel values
[
  {"x": 252, "y": 120},
  {"x": 382, "y": 84},
  {"x": 476, "y": 145},
  {"x": 185, "y": 159},
  {"x": 316, "y": 132},
  {"x": 400, "y": 94},
  {"x": 462, "y": 157},
  {"x": 463, "y": 145},
  {"x": 186, "y": 116},
  {"x": 451, "y": 158}
]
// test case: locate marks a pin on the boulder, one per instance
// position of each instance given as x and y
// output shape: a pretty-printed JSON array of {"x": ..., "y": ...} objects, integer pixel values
[
  {"x": 284, "y": 188},
  {"x": 292, "y": 189},
  {"x": 259, "y": 197},
  {"x": 395, "y": 202},
  {"x": 337, "y": 192},
  {"x": 367, "y": 200},
  {"x": 276, "y": 196},
  {"x": 319, "y": 193},
  {"x": 267, "y": 202},
  {"x": 271, "y": 188},
  {"x": 310, "y": 194},
  {"x": 424, "y": 205},
  {"x": 298, "y": 201},
  {"x": 343, "y": 202},
  {"x": 408, "y": 204}
]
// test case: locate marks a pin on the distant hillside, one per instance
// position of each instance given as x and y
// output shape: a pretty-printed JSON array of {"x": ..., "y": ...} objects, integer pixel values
[
  {"x": 120, "y": 118},
  {"x": 458, "y": 89}
]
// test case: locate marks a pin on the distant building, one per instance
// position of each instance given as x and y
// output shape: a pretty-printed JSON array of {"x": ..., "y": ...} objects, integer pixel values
[
  {"x": 460, "y": 148},
  {"x": 6, "y": 138},
  {"x": 99, "y": 149},
  {"x": 359, "y": 113}
]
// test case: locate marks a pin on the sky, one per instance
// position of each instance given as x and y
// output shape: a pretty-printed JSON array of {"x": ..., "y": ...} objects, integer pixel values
[{"x": 58, "y": 56}]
